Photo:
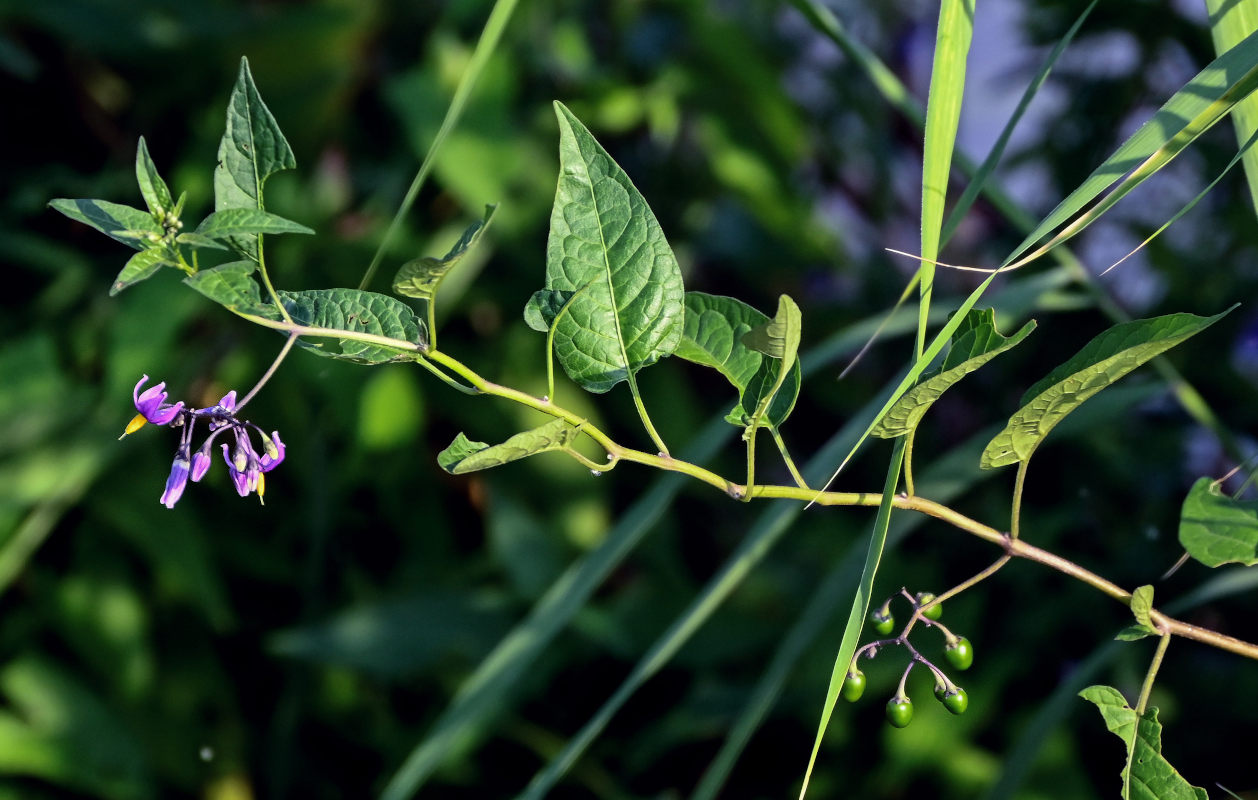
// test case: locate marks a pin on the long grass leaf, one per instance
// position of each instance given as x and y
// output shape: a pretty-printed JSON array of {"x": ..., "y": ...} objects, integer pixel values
[
  {"x": 489, "y": 38},
  {"x": 1230, "y": 22},
  {"x": 943, "y": 114}
]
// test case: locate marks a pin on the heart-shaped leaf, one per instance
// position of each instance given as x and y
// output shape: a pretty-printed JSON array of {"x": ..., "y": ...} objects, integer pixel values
[{"x": 1216, "y": 529}]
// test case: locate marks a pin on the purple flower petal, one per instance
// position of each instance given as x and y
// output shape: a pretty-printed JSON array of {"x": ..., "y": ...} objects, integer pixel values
[
  {"x": 200, "y": 463},
  {"x": 176, "y": 482},
  {"x": 238, "y": 475},
  {"x": 274, "y": 452}
]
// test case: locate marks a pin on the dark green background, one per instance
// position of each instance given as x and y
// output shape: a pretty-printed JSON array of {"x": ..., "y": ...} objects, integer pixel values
[{"x": 302, "y": 648}]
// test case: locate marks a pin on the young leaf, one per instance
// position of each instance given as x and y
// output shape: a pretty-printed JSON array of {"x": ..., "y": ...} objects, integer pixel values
[
  {"x": 603, "y": 234},
  {"x": 543, "y": 307},
  {"x": 712, "y": 335},
  {"x": 1134, "y": 633},
  {"x": 421, "y": 277},
  {"x": 779, "y": 339},
  {"x": 1147, "y": 773},
  {"x": 128, "y": 225},
  {"x": 1141, "y": 604},
  {"x": 235, "y": 222},
  {"x": 141, "y": 266},
  {"x": 156, "y": 194},
  {"x": 459, "y": 449},
  {"x": 232, "y": 285},
  {"x": 355, "y": 311},
  {"x": 464, "y": 455},
  {"x": 197, "y": 240},
  {"x": 252, "y": 149},
  {"x": 974, "y": 343},
  {"x": 1216, "y": 529},
  {"x": 1100, "y": 363}
]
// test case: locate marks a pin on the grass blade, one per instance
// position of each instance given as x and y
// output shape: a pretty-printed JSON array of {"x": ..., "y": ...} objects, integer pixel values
[
  {"x": 489, "y": 38},
  {"x": 1230, "y": 22}
]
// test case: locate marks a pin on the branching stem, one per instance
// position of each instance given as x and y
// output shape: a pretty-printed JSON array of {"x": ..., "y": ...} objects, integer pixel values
[{"x": 1152, "y": 674}]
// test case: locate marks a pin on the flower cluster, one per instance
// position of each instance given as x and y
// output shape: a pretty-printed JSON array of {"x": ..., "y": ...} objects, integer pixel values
[{"x": 246, "y": 466}]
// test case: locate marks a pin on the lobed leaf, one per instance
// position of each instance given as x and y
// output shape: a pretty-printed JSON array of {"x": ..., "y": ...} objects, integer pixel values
[
  {"x": 232, "y": 285},
  {"x": 1216, "y": 529},
  {"x": 974, "y": 343},
  {"x": 128, "y": 225},
  {"x": 464, "y": 455},
  {"x": 1100, "y": 363},
  {"x": 712, "y": 335},
  {"x": 252, "y": 149},
  {"x": 1148, "y": 775},
  {"x": 140, "y": 267},
  {"x": 604, "y": 237},
  {"x": 156, "y": 194},
  {"x": 355, "y": 311},
  {"x": 421, "y": 277},
  {"x": 235, "y": 222}
]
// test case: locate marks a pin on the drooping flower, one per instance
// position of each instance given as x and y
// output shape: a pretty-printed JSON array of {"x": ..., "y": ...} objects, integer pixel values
[
  {"x": 152, "y": 405},
  {"x": 178, "y": 479},
  {"x": 245, "y": 466}
]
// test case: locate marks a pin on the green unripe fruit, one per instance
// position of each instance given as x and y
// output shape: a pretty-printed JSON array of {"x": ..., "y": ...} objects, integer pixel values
[
  {"x": 884, "y": 624},
  {"x": 900, "y": 711},
  {"x": 934, "y": 612},
  {"x": 853, "y": 686},
  {"x": 960, "y": 653},
  {"x": 956, "y": 701}
]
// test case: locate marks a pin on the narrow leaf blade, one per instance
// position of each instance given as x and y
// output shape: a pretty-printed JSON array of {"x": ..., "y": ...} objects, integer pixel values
[
  {"x": 604, "y": 236},
  {"x": 122, "y": 223},
  {"x": 152, "y": 187},
  {"x": 1216, "y": 529},
  {"x": 973, "y": 344},
  {"x": 234, "y": 222},
  {"x": 1102, "y": 362},
  {"x": 141, "y": 266},
  {"x": 421, "y": 278}
]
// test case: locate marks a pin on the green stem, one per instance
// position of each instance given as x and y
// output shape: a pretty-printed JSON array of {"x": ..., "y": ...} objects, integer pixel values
[
  {"x": 1147, "y": 688},
  {"x": 790, "y": 463},
  {"x": 908, "y": 462},
  {"x": 1016, "y": 513},
  {"x": 646, "y": 418},
  {"x": 266, "y": 281},
  {"x": 750, "y": 435}
]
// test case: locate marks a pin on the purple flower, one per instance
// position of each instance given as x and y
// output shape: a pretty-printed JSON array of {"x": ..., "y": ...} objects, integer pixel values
[
  {"x": 273, "y": 451},
  {"x": 152, "y": 403},
  {"x": 238, "y": 466},
  {"x": 201, "y": 461},
  {"x": 178, "y": 479}
]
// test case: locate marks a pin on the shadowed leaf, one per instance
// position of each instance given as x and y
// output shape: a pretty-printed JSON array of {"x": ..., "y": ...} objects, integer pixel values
[
  {"x": 1216, "y": 529},
  {"x": 464, "y": 455},
  {"x": 421, "y": 277},
  {"x": 125, "y": 224}
]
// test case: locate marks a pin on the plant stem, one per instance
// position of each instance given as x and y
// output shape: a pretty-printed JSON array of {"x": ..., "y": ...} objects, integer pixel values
[
  {"x": 786, "y": 457},
  {"x": 1015, "y": 514},
  {"x": 908, "y": 462},
  {"x": 646, "y": 418},
  {"x": 750, "y": 435},
  {"x": 1147, "y": 688},
  {"x": 266, "y": 376}
]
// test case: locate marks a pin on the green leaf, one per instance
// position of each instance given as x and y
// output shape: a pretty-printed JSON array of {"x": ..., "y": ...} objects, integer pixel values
[
  {"x": 197, "y": 240},
  {"x": 235, "y": 222},
  {"x": 974, "y": 343},
  {"x": 421, "y": 277},
  {"x": 1100, "y": 363},
  {"x": 252, "y": 149},
  {"x": 1216, "y": 529},
  {"x": 156, "y": 194},
  {"x": 1148, "y": 775},
  {"x": 1230, "y": 22},
  {"x": 543, "y": 307},
  {"x": 1134, "y": 633},
  {"x": 464, "y": 455},
  {"x": 712, "y": 335},
  {"x": 232, "y": 285},
  {"x": 1141, "y": 605},
  {"x": 604, "y": 236},
  {"x": 141, "y": 266},
  {"x": 128, "y": 225},
  {"x": 778, "y": 337},
  {"x": 358, "y": 312}
]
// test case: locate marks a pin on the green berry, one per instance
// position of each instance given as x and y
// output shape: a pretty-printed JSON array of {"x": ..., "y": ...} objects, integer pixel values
[
  {"x": 883, "y": 622},
  {"x": 900, "y": 711},
  {"x": 956, "y": 701},
  {"x": 960, "y": 653},
  {"x": 932, "y": 613},
  {"x": 853, "y": 686}
]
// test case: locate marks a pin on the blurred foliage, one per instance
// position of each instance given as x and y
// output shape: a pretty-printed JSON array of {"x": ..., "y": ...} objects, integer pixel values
[{"x": 302, "y": 649}]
